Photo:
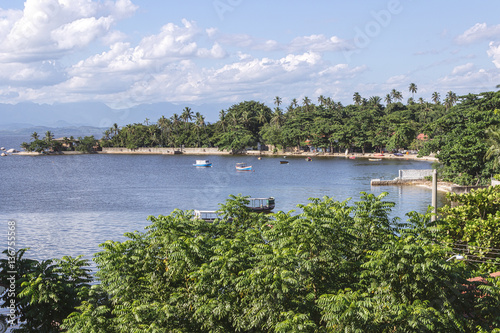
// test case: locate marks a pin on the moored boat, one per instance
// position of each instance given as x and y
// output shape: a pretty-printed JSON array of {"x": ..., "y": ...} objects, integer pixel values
[
  {"x": 208, "y": 215},
  {"x": 243, "y": 167},
  {"x": 261, "y": 204},
  {"x": 308, "y": 159},
  {"x": 374, "y": 159},
  {"x": 283, "y": 162},
  {"x": 202, "y": 163}
]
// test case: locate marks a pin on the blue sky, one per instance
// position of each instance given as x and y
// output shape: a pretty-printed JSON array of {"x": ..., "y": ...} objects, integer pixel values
[{"x": 126, "y": 53}]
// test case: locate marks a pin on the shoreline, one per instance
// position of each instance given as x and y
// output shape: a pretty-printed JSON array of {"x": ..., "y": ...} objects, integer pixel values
[{"x": 215, "y": 151}]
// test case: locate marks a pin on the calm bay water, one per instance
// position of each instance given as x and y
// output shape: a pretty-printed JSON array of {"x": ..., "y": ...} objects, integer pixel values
[{"x": 68, "y": 205}]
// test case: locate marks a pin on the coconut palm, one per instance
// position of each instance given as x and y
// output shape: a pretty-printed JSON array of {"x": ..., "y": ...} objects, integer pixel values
[
  {"x": 396, "y": 95},
  {"x": 35, "y": 136},
  {"x": 413, "y": 89},
  {"x": 261, "y": 116},
  {"x": 222, "y": 123},
  {"x": 49, "y": 136},
  {"x": 199, "y": 125},
  {"x": 322, "y": 100},
  {"x": 452, "y": 97},
  {"x": 357, "y": 98},
  {"x": 436, "y": 98},
  {"x": 388, "y": 99},
  {"x": 277, "y": 101},
  {"x": 277, "y": 118},
  {"x": 375, "y": 101},
  {"x": 187, "y": 114}
]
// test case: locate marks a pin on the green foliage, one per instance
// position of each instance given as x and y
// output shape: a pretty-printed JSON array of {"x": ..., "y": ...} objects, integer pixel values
[
  {"x": 460, "y": 138},
  {"x": 333, "y": 267},
  {"x": 471, "y": 226},
  {"x": 45, "y": 292},
  {"x": 86, "y": 144}
]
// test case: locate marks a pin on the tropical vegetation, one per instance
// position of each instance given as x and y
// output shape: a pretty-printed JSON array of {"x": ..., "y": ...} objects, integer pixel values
[
  {"x": 336, "y": 266},
  {"x": 460, "y": 131}
]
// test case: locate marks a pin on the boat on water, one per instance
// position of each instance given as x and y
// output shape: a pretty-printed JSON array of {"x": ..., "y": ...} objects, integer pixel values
[
  {"x": 374, "y": 159},
  {"x": 283, "y": 162},
  {"x": 352, "y": 157},
  {"x": 261, "y": 205},
  {"x": 207, "y": 215},
  {"x": 308, "y": 159},
  {"x": 243, "y": 167},
  {"x": 202, "y": 163}
]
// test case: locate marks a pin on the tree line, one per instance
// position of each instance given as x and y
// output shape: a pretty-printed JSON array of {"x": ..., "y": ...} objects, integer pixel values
[
  {"x": 49, "y": 144},
  {"x": 462, "y": 130},
  {"x": 335, "y": 267}
]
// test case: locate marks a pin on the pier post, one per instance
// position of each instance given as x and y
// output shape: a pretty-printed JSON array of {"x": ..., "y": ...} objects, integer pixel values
[{"x": 434, "y": 194}]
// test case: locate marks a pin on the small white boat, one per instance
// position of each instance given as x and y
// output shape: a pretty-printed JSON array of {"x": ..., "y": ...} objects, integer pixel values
[
  {"x": 207, "y": 215},
  {"x": 374, "y": 159},
  {"x": 202, "y": 163},
  {"x": 243, "y": 167}
]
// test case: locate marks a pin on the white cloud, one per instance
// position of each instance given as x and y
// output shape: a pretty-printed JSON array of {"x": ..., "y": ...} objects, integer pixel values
[
  {"x": 461, "y": 81},
  {"x": 462, "y": 69},
  {"x": 494, "y": 52},
  {"x": 312, "y": 43},
  {"x": 48, "y": 29},
  {"x": 81, "y": 32},
  {"x": 478, "y": 32},
  {"x": 317, "y": 43}
]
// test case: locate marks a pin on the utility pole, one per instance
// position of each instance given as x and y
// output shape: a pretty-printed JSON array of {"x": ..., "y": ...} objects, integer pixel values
[{"x": 434, "y": 195}]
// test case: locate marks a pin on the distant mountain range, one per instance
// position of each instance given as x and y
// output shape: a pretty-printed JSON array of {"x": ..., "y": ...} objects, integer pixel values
[
  {"x": 29, "y": 115},
  {"x": 76, "y": 131}
]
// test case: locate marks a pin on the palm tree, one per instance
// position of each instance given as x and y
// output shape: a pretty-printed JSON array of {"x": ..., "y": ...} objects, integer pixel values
[
  {"x": 222, "y": 120},
  {"x": 396, "y": 95},
  {"x": 357, "y": 98},
  {"x": 388, "y": 99},
  {"x": 305, "y": 102},
  {"x": 48, "y": 137},
  {"x": 322, "y": 100},
  {"x": 199, "y": 125},
  {"x": 436, "y": 98},
  {"x": 375, "y": 100},
  {"x": 493, "y": 139},
  {"x": 452, "y": 97},
  {"x": 187, "y": 114},
  {"x": 412, "y": 88},
  {"x": 35, "y": 136},
  {"x": 277, "y": 101},
  {"x": 277, "y": 118},
  {"x": 175, "y": 125},
  {"x": 261, "y": 116}
]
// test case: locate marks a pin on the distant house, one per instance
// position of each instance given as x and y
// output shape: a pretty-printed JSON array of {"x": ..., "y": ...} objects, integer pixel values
[
  {"x": 483, "y": 280},
  {"x": 65, "y": 142},
  {"x": 422, "y": 137}
]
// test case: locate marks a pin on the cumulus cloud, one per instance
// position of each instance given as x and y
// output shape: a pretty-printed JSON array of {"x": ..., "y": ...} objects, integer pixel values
[
  {"x": 462, "y": 69},
  {"x": 317, "y": 43},
  {"x": 48, "y": 29},
  {"x": 494, "y": 52},
  {"x": 313, "y": 43},
  {"x": 478, "y": 32}
]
